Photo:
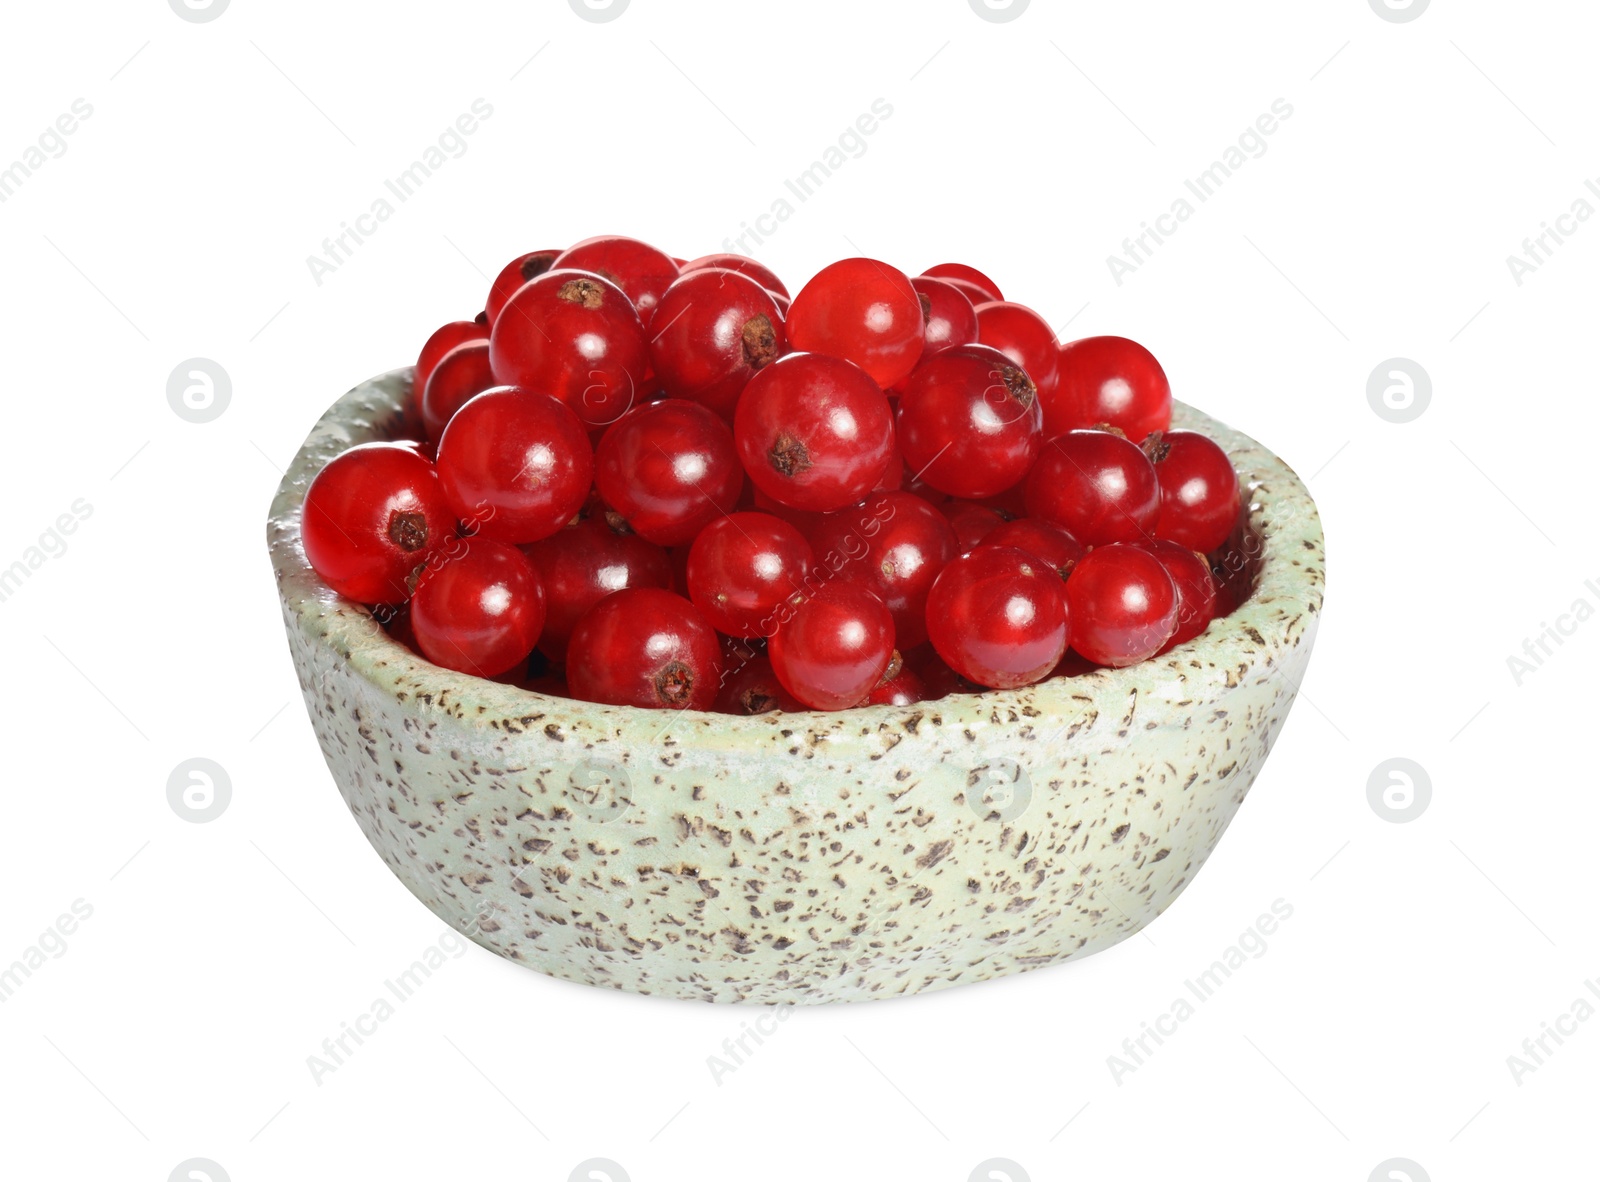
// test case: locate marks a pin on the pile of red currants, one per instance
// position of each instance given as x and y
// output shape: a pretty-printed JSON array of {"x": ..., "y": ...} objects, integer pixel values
[{"x": 658, "y": 483}]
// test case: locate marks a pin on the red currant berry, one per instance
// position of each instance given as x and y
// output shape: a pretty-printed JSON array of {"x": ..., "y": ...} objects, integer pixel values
[
  {"x": 743, "y": 567},
  {"x": 371, "y": 517},
  {"x": 1197, "y": 591},
  {"x": 669, "y": 468},
  {"x": 969, "y": 275},
  {"x": 462, "y": 374},
  {"x": 639, "y": 269},
  {"x": 863, "y": 311},
  {"x": 948, "y": 317},
  {"x": 938, "y": 679},
  {"x": 1097, "y": 486},
  {"x": 645, "y": 647},
  {"x": 575, "y": 336},
  {"x": 1199, "y": 490},
  {"x": 746, "y": 266},
  {"x": 580, "y": 565},
  {"x": 753, "y": 688},
  {"x": 519, "y": 271},
  {"x": 814, "y": 432},
  {"x": 1048, "y": 543},
  {"x": 998, "y": 616},
  {"x": 1111, "y": 380},
  {"x": 1023, "y": 335},
  {"x": 397, "y": 623},
  {"x": 972, "y": 522},
  {"x": 457, "y": 332},
  {"x": 516, "y": 464},
  {"x": 1123, "y": 605},
  {"x": 834, "y": 646},
  {"x": 712, "y": 333},
  {"x": 969, "y": 422},
  {"x": 903, "y": 689},
  {"x": 894, "y": 544},
  {"x": 804, "y": 521},
  {"x": 894, "y": 472},
  {"x": 480, "y": 611}
]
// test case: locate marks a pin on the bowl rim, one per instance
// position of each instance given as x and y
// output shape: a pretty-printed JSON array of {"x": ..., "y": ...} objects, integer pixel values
[{"x": 1249, "y": 643}]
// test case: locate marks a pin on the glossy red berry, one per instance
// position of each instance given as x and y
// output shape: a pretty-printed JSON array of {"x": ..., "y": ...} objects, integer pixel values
[
  {"x": 894, "y": 544},
  {"x": 462, "y": 374},
  {"x": 903, "y": 689},
  {"x": 576, "y": 337},
  {"x": 998, "y": 616},
  {"x": 1024, "y": 336},
  {"x": 972, "y": 522},
  {"x": 583, "y": 563},
  {"x": 814, "y": 432},
  {"x": 1097, "y": 486},
  {"x": 639, "y": 269},
  {"x": 753, "y": 688},
  {"x": 1123, "y": 605},
  {"x": 938, "y": 679},
  {"x": 834, "y": 645},
  {"x": 969, "y": 422},
  {"x": 457, "y": 332},
  {"x": 1049, "y": 543},
  {"x": 372, "y": 516},
  {"x": 1111, "y": 380},
  {"x": 760, "y": 272},
  {"x": 948, "y": 316},
  {"x": 645, "y": 647},
  {"x": 519, "y": 271},
  {"x": 669, "y": 468},
  {"x": 1199, "y": 490},
  {"x": 863, "y": 311},
  {"x": 516, "y": 464},
  {"x": 480, "y": 611},
  {"x": 713, "y": 332},
  {"x": 1197, "y": 590},
  {"x": 967, "y": 275},
  {"x": 743, "y": 567}
]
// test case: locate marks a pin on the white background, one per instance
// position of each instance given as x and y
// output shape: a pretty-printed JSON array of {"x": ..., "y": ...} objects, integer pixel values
[{"x": 177, "y": 224}]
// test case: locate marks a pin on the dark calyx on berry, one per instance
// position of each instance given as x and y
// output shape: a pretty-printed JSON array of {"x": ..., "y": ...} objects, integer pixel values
[
  {"x": 675, "y": 683},
  {"x": 789, "y": 455},
  {"x": 760, "y": 341},
  {"x": 1018, "y": 385},
  {"x": 582, "y": 291},
  {"x": 409, "y": 531}
]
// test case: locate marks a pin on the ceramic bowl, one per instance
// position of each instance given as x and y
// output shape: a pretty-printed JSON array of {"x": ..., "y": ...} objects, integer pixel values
[{"x": 806, "y": 857}]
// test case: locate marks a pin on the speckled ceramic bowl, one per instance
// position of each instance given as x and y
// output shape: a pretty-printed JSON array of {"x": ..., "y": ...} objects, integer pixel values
[{"x": 802, "y": 857}]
